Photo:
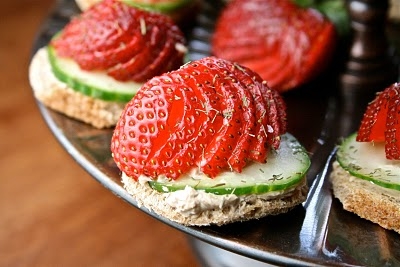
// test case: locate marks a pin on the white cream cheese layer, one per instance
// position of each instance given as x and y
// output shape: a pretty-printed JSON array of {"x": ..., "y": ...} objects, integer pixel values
[{"x": 190, "y": 201}]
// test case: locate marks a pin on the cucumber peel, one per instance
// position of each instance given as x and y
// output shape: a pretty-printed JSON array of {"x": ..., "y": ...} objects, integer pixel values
[
  {"x": 367, "y": 160},
  {"x": 285, "y": 168},
  {"x": 162, "y": 7},
  {"x": 96, "y": 84}
]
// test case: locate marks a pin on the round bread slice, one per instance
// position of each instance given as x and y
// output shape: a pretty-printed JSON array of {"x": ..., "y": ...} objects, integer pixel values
[
  {"x": 58, "y": 96},
  {"x": 211, "y": 209},
  {"x": 369, "y": 201}
]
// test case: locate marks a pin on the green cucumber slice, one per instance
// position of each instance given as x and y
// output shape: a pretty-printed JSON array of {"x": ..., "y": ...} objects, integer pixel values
[
  {"x": 162, "y": 7},
  {"x": 367, "y": 160},
  {"x": 96, "y": 84},
  {"x": 285, "y": 168}
]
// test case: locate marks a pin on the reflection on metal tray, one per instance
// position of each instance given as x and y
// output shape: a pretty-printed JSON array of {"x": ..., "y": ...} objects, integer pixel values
[{"x": 319, "y": 232}]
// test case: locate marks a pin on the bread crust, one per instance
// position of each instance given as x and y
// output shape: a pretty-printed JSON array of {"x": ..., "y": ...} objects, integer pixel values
[
  {"x": 246, "y": 209},
  {"x": 58, "y": 96},
  {"x": 369, "y": 201}
]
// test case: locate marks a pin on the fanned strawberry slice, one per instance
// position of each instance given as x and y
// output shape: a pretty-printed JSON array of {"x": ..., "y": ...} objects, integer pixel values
[
  {"x": 166, "y": 59},
  {"x": 205, "y": 76},
  {"x": 182, "y": 151},
  {"x": 373, "y": 124},
  {"x": 285, "y": 44},
  {"x": 188, "y": 135},
  {"x": 225, "y": 138},
  {"x": 122, "y": 40},
  {"x": 392, "y": 134},
  {"x": 380, "y": 122},
  {"x": 258, "y": 91},
  {"x": 276, "y": 119},
  {"x": 143, "y": 124},
  {"x": 203, "y": 116},
  {"x": 245, "y": 119},
  {"x": 202, "y": 76},
  {"x": 175, "y": 140},
  {"x": 270, "y": 115},
  {"x": 127, "y": 70}
]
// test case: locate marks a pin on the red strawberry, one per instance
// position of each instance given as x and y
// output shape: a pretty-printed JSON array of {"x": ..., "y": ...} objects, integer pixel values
[
  {"x": 287, "y": 45},
  {"x": 206, "y": 115},
  {"x": 381, "y": 121},
  {"x": 128, "y": 43},
  {"x": 190, "y": 134},
  {"x": 270, "y": 113},
  {"x": 204, "y": 78},
  {"x": 234, "y": 117}
]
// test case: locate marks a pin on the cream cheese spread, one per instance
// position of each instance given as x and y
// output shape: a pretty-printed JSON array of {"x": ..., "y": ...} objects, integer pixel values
[{"x": 190, "y": 201}]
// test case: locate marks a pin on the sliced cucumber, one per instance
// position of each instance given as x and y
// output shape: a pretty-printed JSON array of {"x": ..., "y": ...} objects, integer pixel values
[
  {"x": 95, "y": 84},
  {"x": 162, "y": 7},
  {"x": 367, "y": 160},
  {"x": 285, "y": 168}
]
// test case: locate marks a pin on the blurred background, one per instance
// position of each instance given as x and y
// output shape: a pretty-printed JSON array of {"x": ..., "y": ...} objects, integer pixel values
[{"x": 52, "y": 213}]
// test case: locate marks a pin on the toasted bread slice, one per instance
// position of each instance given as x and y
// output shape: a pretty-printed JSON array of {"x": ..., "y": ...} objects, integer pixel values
[
  {"x": 231, "y": 209},
  {"x": 369, "y": 201},
  {"x": 58, "y": 96}
]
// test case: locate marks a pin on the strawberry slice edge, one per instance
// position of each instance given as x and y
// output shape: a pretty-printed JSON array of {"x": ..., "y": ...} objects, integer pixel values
[{"x": 380, "y": 122}]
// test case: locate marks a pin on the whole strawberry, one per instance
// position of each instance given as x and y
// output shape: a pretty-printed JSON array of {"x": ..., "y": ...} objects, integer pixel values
[
  {"x": 381, "y": 121},
  {"x": 128, "y": 43},
  {"x": 211, "y": 115},
  {"x": 284, "y": 43}
]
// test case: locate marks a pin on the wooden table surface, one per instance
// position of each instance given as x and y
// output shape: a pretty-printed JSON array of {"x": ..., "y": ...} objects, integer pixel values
[{"x": 52, "y": 213}]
